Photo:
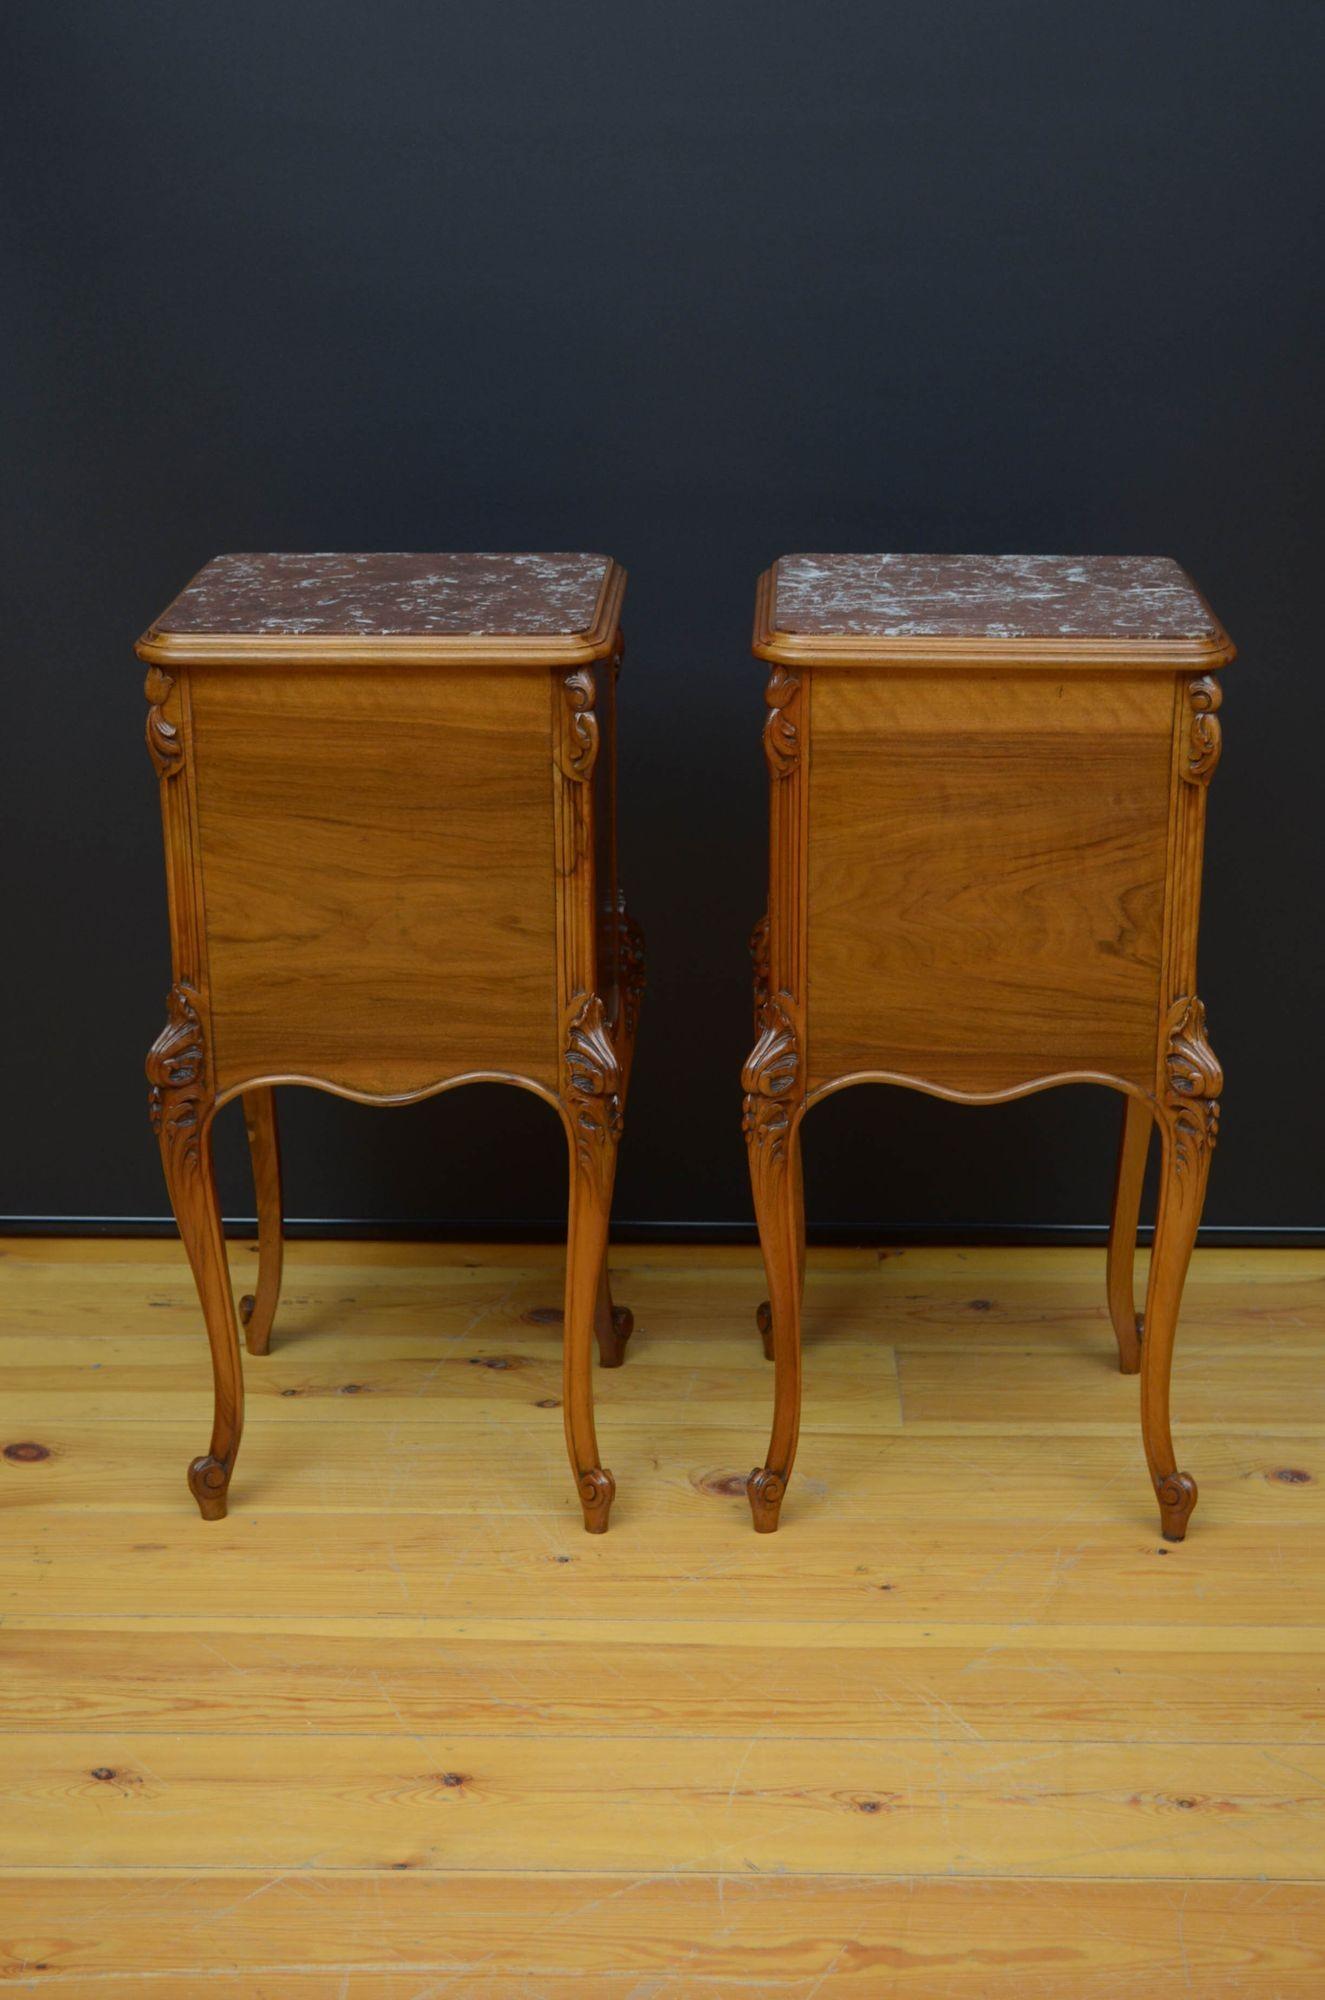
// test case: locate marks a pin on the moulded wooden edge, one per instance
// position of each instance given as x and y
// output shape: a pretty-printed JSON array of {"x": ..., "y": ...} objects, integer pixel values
[
  {"x": 383, "y": 1099},
  {"x": 1030, "y": 1086},
  {"x": 797, "y": 649},
  {"x": 463, "y": 649}
]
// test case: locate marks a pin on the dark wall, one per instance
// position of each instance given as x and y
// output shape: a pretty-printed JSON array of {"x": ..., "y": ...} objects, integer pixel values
[{"x": 693, "y": 286}]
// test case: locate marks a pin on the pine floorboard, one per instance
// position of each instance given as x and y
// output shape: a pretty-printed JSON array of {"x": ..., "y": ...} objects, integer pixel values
[{"x": 965, "y": 1729}]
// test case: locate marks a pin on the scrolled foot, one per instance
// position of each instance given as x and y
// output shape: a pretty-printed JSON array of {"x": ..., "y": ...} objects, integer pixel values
[
  {"x": 614, "y": 1330},
  {"x": 766, "y": 1489},
  {"x": 764, "y": 1321},
  {"x": 1176, "y": 1495},
  {"x": 1129, "y": 1354},
  {"x": 597, "y": 1492},
  {"x": 209, "y": 1482}
]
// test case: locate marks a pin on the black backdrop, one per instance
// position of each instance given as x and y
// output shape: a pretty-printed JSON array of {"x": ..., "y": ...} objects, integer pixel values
[{"x": 693, "y": 286}]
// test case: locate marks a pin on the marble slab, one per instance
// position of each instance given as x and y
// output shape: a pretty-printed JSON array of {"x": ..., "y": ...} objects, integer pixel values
[
  {"x": 988, "y": 597},
  {"x": 390, "y": 596}
]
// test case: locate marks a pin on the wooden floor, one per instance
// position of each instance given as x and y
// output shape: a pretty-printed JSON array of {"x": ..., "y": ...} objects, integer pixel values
[{"x": 965, "y": 1729}]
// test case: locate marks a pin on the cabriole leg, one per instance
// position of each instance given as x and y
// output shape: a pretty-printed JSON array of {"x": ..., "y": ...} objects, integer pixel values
[
  {"x": 592, "y": 1111},
  {"x": 760, "y": 968},
  {"x": 1133, "y": 1146},
  {"x": 257, "y": 1309},
  {"x": 772, "y": 1133},
  {"x": 181, "y": 1117},
  {"x": 1189, "y": 1126}
]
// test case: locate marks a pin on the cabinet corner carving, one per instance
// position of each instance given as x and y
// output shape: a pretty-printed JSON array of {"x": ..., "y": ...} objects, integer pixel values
[
  {"x": 782, "y": 743},
  {"x": 1204, "y": 735},
  {"x": 770, "y": 1080},
  {"x": 1193, "y": 1080},
  {"x": 164, "y": 745},
  {"x": 579, "y": 746},
  {"x": 593, "y": 1083},
  {"x": 177, "y": 1081}
]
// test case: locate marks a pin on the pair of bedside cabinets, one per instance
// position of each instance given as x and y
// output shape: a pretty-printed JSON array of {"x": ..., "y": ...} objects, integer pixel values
[{"x": 388, "y": 787}]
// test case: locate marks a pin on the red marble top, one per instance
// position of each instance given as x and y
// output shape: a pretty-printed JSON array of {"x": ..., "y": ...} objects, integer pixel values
[
  {"x": 988, "y": 597},
  {"x": 389, "y": 596}
]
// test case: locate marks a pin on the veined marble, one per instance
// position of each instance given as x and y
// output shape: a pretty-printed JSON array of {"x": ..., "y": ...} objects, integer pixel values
[
  {"x": 994, "y": 597},
  {"x": 391, "y": 596}
]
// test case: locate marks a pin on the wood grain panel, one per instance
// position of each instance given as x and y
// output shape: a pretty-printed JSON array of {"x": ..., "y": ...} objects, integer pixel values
[
  {"x": 793, "y": 1678},
  {"x": 369, "y": 836},
  {"x": 986, "y": 876},
  {"x": 943, "y": 1805},
  {"x": 1039, "y": 1391},
  {"x": 378, "y": 1567},
  {"x": 669, "y": 1937}
]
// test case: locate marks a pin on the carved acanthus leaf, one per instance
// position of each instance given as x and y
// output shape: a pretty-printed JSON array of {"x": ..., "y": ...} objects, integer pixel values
[
  {"x": 781, "y": 731},
  {"x": 580, "y": 745},
  {"x": 177, "y": 1081},
  {"x": 1193, "y": 1080},
  {"x": 164, "y": 746},
  {"x": 593, "y": 1084},
  {"x": 769, "y": 1080},
  {"x": 1205, "y": 737}
]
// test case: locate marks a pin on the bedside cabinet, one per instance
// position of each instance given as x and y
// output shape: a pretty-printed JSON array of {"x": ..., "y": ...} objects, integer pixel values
[
  {"x": 987, "y": 781},
  {"x": 388, "y": 792}
]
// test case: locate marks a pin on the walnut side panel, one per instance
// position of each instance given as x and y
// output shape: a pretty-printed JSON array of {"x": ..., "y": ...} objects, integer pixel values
[
  {"x": 986, "y": 876},
  {"x": 377, "y": 861}
]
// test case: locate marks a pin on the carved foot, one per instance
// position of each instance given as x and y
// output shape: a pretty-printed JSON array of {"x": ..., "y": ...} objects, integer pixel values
[
  {"x": 764, "y": 1321},
  {"x": 597, "y": 1492},
  {"x": 1129, "y": 1358},
  {"x": 1176, "y": 1496},
  {"x": 209, "y": 1481},
  {"x": 766, "y": 1489},
  {"x": 614, "y": 1330}
]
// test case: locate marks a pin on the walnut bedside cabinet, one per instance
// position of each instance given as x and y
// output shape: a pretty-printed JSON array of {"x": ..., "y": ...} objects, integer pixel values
[
  {"x": 987, "y": 794},
  {"x": 388, "y": 789}
]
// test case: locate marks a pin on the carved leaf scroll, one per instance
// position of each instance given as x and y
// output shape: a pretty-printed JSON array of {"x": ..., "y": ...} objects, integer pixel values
[
  {"x": 781, "y": 730},
  {"x": 593, "y": 1084},
  {"x": 769, "y": 1080},
  {"x": 1205, "y": 736},
  {"x": 164, "y": 745},
  {"x": 176, "y": 1077},
  {"x": 580, "y": 745},
  {"x": 1193, "y": 1081}
]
